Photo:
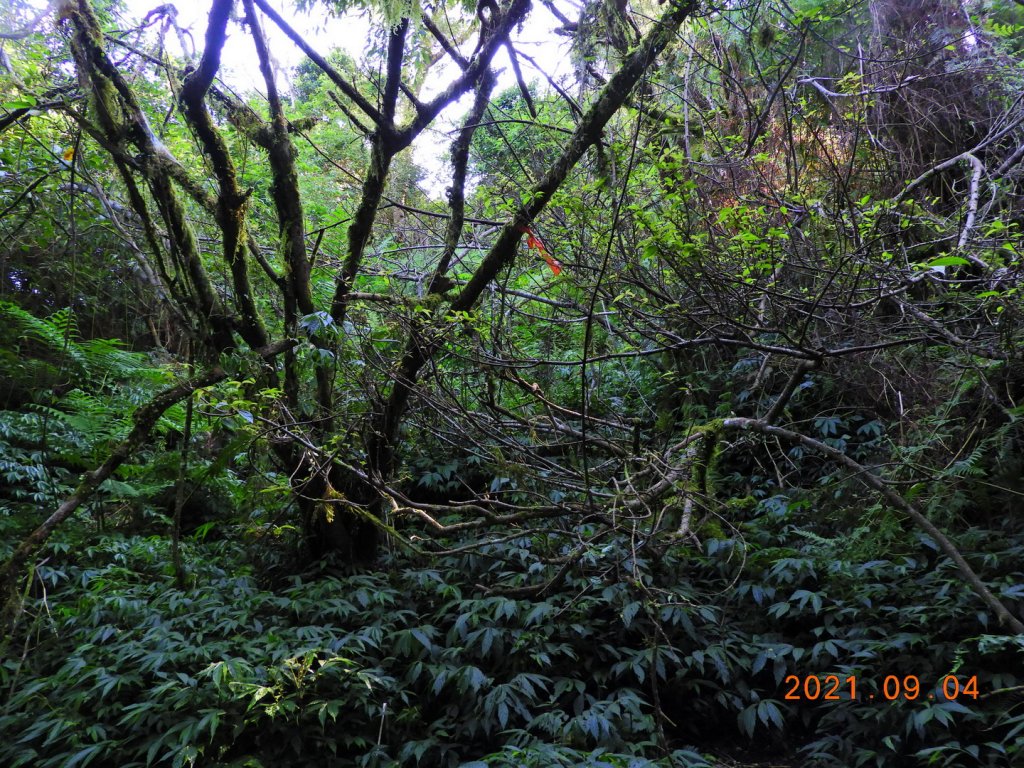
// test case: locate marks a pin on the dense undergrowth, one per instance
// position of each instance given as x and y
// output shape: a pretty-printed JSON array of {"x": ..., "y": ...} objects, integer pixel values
[
  {"x": 669, "y": 656},
  {"x": 716, "y": 647}
]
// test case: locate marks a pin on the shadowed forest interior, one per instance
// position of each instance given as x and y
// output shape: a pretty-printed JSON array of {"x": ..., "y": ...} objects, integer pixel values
[{"x": 516, "y": 383}]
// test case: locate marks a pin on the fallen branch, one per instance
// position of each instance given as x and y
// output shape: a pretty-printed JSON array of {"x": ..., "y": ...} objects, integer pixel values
[{"x": 871, "y": 480}]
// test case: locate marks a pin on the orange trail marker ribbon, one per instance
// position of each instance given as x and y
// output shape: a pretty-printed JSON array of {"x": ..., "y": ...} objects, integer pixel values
[{"x": 534, "y": 243}]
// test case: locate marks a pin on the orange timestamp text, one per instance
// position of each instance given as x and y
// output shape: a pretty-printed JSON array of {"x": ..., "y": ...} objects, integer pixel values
[{"x": 894, "y": 687}]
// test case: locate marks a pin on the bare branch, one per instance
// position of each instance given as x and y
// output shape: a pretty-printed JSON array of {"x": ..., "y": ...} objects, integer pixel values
[
  {"x": 346, "y": 87},
  {"x": 31, "y": 26}
]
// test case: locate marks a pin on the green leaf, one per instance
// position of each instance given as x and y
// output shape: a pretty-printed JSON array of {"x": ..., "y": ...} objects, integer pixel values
[
  {"x": 629, "y": 613},
  {"x": 948, "y": 261},
  {"x": 23, "y": 102},
  {"x": 84, "y": 756},
  {"x": 747, "y": 720},
  {"x": 420, "y": 635}
]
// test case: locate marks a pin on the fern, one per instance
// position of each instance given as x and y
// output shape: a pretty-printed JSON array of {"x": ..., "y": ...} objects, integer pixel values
[
  {"x": 101, "y": 361},
  {"x": 93, "y": 419},
  {"x": 52, "y": 336},
  {"x": 53, "y": 436},
  {"x": 821, "y": 541},
  {"x": 971, "y": 464}
]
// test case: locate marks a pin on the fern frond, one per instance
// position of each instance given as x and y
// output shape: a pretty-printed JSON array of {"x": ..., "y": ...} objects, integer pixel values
[
  {"x": 56, "y": 334},
  {"x": 970, "y": 465}
]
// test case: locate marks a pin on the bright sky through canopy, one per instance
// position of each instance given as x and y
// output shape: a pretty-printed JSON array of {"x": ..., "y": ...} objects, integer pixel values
[{"x": 240, "y": 66}]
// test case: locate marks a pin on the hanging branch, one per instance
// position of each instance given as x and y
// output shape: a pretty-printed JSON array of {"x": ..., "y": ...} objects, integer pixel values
[
  {"x": 297, "y": 294},
  {"x": 240, "y": 115},
  {"x": 121, "y": 119},
  {"x": 346, "y": 87},
  {"x": 385, "y": 429},
  {"x": 389, "y": 139},
  {"x": 480, "y": 63},
  {"x": 31, "y": 26},
  {"x": 382, "y": 152},
  {"x": 445, "y": 43},
  {"x": 587, "y": 133},
  {"x": 523, "y": 90},
  {"x": 457, "y": 191}
]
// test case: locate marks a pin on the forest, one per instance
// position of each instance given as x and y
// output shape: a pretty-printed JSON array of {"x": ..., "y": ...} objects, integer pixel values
[{"x": 512, "y": 383}]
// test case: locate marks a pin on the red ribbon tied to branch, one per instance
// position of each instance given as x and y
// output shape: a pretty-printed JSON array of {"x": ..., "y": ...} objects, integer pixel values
[{"x": 534, "y": 243}]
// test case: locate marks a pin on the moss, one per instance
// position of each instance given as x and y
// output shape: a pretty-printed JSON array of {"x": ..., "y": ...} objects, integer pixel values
[
  {"x": 711, "y": 529},
  {"x": 87, "y": 49},
  {"x": 705, "y": 463},
  {"x": 740, "y": 504}
]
